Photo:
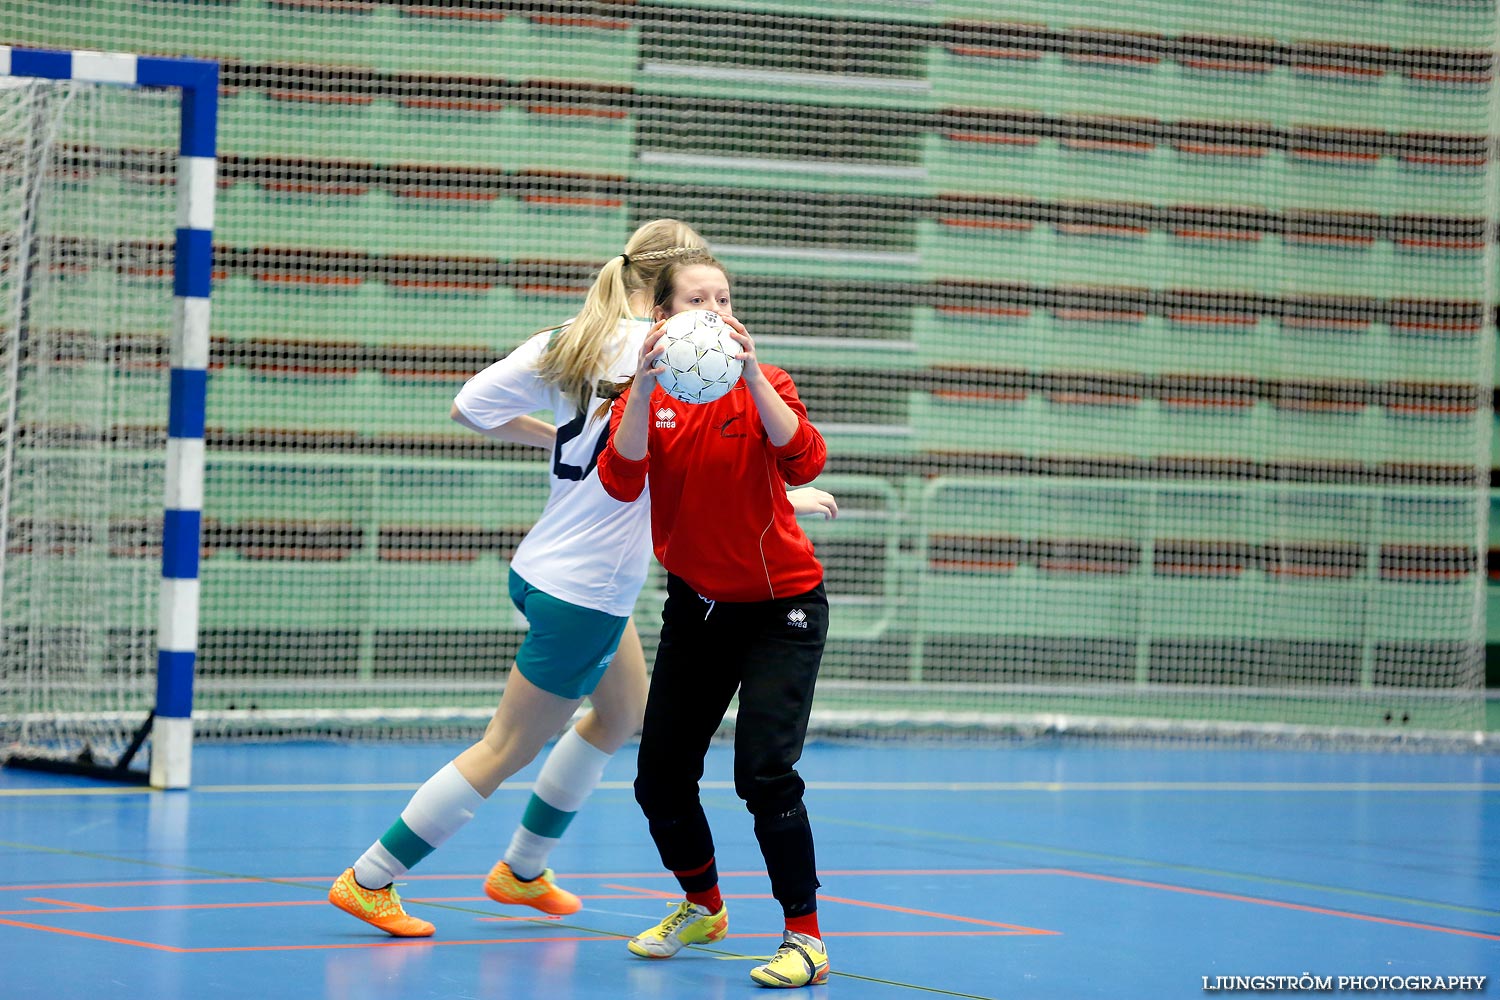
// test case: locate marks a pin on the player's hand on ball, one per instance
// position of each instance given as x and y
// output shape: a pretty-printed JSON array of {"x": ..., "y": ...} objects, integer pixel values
[
  {"x": 649, "y": 364},
  {"x": 747, "y": 354}
]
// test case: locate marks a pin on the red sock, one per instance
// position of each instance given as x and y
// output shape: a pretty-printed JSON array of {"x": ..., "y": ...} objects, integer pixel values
[
  {"x": 709, "y": 899},
  {"x": 805, "y": 924}
]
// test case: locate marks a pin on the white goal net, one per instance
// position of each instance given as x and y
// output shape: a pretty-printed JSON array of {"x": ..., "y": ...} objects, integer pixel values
[{"x": 86, "y": 225}]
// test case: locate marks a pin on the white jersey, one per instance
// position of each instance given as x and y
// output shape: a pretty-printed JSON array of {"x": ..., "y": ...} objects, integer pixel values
[{"x": 586, "y": 548}]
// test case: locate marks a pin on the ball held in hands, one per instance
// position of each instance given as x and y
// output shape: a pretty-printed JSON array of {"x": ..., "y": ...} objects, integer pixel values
[{"x": 699, "y": 357}]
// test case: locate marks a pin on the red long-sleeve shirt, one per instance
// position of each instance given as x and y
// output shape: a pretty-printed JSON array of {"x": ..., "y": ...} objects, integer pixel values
[{"x": 720, "y": 517}]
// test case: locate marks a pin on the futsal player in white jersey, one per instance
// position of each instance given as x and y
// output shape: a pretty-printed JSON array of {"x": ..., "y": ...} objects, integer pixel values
[{"x": 575, "y": 577}]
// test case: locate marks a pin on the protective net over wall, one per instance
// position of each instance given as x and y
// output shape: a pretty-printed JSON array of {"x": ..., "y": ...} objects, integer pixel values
[{"x": 1153, "y": 342}]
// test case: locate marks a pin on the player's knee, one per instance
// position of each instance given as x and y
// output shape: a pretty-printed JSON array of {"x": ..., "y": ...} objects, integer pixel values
[
  {"x": 508, "y": 752},
  {"x": 608, "y": 730},
  {"x": 620, "y": 722},
  {"x": 771, "y": 796},
  {"x": 656, "y": 798}
]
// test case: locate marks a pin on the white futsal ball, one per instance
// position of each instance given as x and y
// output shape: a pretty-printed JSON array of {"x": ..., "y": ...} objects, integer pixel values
[{"x": 699, "y": 357}]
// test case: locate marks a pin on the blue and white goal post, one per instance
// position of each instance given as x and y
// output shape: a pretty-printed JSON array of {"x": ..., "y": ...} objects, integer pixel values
[{"x": 169, "y": 723}]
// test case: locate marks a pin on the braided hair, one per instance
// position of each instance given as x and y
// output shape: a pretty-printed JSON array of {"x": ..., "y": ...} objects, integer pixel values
[{"x": 574, "y": 359}]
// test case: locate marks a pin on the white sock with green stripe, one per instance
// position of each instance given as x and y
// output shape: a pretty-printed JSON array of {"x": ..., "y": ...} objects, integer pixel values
[
  {"x": 444, "y": 803},
  {"x": 571, "y": 772}
]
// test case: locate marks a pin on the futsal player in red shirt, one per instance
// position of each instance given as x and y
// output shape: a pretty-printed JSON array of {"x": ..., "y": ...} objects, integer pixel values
[{"x": 745, "y": 612}]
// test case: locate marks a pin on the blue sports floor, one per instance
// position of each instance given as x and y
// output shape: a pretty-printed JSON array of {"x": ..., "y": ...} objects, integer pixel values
[{"x": 1056, "y": 870}]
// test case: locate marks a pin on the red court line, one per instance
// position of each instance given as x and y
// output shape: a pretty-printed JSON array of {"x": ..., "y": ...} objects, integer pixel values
[
  {"x": 172, "y": 907},
  {"x": 935, "y": 871},
  {"x": 656, "y": 875},
  {"x": 62, "y": 906},
  {"x": 136, "y": 882},
  {"x": 57, "y": 908},
  {"x": 645, "y": 893},
  {"x": 571, "y": 875},
  {"x": 63, "y": 902},
  {"x": 630, "y": 892},
  {"x": 902, "y": 934},
  {"x": 95, "y": 937},
  {"x": 133, "y": 883},
  {"x": 1280, "y": 904},
  {"x": 865, "y": 934},
  {"x": 411, "y": 943},
  {"x": 435, "y": 943},
  {"x": 1014, "y": 928},
  {"x": 1008, "y": 928},
  {"x": 408, "y": 943}
]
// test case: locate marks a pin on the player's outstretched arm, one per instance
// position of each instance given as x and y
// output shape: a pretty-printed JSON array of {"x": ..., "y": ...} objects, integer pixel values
[
  {"x": 809, "y": 501},
  {"x": 521, "y": 430}
]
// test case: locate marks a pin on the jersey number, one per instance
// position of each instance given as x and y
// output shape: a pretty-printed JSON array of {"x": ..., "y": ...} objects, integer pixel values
[{"x": 568, "y": 432}]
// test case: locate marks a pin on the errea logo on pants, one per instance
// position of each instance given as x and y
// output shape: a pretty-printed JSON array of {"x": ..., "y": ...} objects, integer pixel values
[
  {"x": 666, "y": 417},
  {"x": 796, "y": 618}
]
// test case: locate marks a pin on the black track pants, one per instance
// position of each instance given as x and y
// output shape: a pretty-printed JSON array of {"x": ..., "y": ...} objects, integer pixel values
[{"x": 768, "y": 652}]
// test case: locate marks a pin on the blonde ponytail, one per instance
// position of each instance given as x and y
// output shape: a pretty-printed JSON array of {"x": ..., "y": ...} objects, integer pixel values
[{"x": 575, "y": 356}]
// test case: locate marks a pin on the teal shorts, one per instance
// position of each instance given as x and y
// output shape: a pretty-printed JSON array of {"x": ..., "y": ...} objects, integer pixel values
[{"x": 567, "y": 648}]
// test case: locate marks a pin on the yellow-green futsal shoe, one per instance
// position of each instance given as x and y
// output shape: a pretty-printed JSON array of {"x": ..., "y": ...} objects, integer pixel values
[
  {"x": 802, "y": 960},
  {"x": 688, "y": 924}
]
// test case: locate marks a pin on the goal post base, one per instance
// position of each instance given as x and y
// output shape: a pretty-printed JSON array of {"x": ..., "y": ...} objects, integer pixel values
[
  {"x": 171, "y": 752},
  {"x": 79, "y": 767},
  {"x": 85, "y": 765}
]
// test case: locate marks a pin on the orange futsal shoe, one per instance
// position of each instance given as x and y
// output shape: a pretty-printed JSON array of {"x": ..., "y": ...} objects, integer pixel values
[
  {"x": 377, "y": 907},
  {"x": 542, "y": 892}
]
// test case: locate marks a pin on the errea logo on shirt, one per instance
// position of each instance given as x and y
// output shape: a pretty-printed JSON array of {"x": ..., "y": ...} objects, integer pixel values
[{"x": 666, "y": 417}]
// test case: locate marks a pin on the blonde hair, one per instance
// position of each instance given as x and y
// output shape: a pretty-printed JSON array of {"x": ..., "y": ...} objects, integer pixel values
[{"x": 575, "y": 357}]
